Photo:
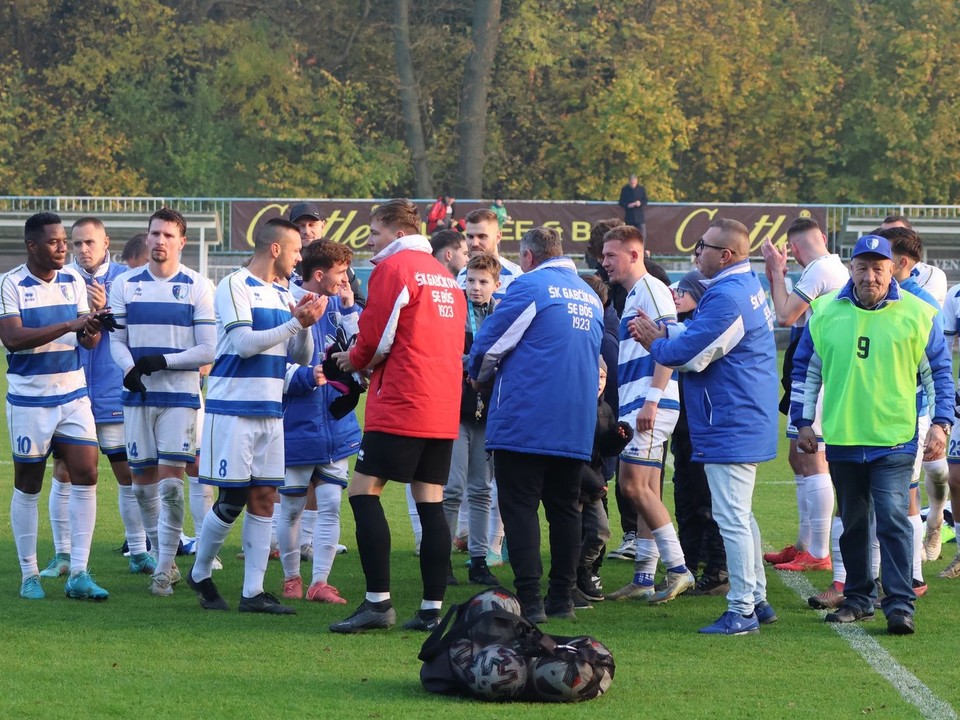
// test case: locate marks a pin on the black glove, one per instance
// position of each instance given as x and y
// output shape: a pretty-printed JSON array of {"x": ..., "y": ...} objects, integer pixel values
[
  {"x": 150, "y": 364},
  {"x": 344, "y": 404},
  {"x": 108, "y": 322},
  {"x": 345, "y": 382},
  {"x": 133, "y": 383}
]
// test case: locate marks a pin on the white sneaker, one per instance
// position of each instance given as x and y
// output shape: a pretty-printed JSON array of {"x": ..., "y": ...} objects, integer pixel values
[
  {"x": 341, "y": 549},
  {"x": 306, "y": 552},
  {"x": 161, "y": 584},
  {"x": 932, "y": 544},
  {"x": 676, "y": 583},
  {"x": 217, "y": 564},
  {"x": 627, "y": 549},
  {"x": 951, "y": 571}
]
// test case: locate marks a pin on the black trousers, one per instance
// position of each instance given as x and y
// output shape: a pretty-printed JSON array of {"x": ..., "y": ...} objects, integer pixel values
[
  {"x": 696, "y": 528},
  {"x": 523, "y": 481}
]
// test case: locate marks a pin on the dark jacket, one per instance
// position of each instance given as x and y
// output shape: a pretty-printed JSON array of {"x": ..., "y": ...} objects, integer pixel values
[
  {"x": 473, "y": 400},
  {"x": 609, "y": 438},
  {"x": 633, "y": 215}
]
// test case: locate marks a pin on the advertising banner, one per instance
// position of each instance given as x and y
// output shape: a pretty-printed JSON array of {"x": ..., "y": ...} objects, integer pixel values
[{"x": 671, "y": 229}]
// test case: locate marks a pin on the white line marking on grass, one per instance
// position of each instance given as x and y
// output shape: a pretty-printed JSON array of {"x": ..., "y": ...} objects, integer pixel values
[{"x": 902, "y": 680}]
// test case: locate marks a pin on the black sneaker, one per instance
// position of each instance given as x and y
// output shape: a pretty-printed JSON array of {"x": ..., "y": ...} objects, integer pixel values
[
  {"x": 581, "y": 601},
  {"x": 264, "y": 603},
  {"x": 561, "y": 609},
  {"x": 711, "y": 585},
  {"x": 369, "y": 616},
  {"x": 900, "y": 622},
  {"x": 848, "y": 614},
  {"x": 423, "y": 621},
  {"x": 533, "y": 611},
  {"x": 210, "y": 598},
  {"x": 590, "y": 587},
  {"x": 451, "y": 578},
  {"x": 480, "y": 574}
]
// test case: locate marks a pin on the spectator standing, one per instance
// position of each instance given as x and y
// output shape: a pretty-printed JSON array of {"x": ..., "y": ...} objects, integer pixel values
[
  {"x": 633, "y": 200},
  {"x": 541, "y": 437}
]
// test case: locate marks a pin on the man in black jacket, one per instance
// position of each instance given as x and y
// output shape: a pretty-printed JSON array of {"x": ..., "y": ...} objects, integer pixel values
[{"x": 633, "y": 199}]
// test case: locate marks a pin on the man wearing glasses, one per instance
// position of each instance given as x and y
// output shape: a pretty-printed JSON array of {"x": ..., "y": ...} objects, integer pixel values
[{"x": 730, "y": 396}]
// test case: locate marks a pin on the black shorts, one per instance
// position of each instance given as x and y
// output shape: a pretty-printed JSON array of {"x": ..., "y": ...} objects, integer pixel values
[{"x": 404, "y": 459}]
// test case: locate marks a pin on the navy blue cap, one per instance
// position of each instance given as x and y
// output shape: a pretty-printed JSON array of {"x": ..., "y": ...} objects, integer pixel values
[
  {"x": 304, "y": 210},
  {"x": 872, "y": 245}
]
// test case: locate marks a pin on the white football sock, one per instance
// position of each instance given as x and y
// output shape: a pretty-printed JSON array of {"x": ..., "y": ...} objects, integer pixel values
[
  {"x": 935, "y": 482},
  {"x": 288, "y": 533},
  {"x": 274, "y": 522},
  {"x": 59, "y": 502},
  {"x": 148, "y": 500},
  {"x": 24, "y": 520},
  {"x": 918, "y": 531},
  {"x": 132, "y": 523},
  {"x": 839, "y": 571},
  {"x": 646, "y": 557},
  {"x": 669, "y": 546},
  {"x": 83, "y": 518},
  {"x": 803, "y": 533},
  {"x": 214, "y": 534},
  {"x": 414, "y": 518},
  {"x": 201, "y": 500},
  {"x": 170, "y": 522},
  {"x": 495, "y": 526},
  {"x": 308, "y": 522},
  {"x": 256, "y": 552},
  {"x": 819, "y": 490},
  {"x": 326, "y": 532}
]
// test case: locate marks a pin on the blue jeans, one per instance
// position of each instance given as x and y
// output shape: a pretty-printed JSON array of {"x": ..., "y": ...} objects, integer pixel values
[
  {"x": 731, "y": 489},
  {"x": 879, "y": 487},
  {"x": 471, "y": 474}
]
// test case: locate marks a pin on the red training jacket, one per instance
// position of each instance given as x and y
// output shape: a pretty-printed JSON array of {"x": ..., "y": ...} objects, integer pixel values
[{"x": 411, "y": 330}]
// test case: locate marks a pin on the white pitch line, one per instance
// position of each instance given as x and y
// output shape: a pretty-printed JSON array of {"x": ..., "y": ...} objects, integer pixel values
[{"x": 902, "y": 680}]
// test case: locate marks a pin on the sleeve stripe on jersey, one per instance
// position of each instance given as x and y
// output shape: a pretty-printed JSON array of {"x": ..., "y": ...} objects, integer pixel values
[
  {"x": 390, "y": 329},
  {"x": 720, "y": 346},
  {"x": 507, "y": 342},
  {"x": 800, "y": 295}
]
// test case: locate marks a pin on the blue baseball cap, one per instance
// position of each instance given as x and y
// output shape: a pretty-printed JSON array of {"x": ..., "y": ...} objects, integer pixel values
[{"x": 872, "y": 245}]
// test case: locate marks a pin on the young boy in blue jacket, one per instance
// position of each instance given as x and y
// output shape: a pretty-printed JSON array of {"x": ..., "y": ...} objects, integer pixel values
[{"x": 319, "y": 437}]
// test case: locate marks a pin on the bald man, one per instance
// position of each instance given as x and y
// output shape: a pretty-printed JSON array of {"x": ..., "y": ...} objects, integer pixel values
[{"x": 730, "y": 392}]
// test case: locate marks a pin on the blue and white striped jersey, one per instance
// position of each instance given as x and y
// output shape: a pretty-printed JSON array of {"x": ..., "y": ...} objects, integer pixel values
[
  {"x": 249, "y": 386},
  {"x": 635, "y": 366},
  {"x": 509, "y": 271},
  {"x": 160, "y": 315},
  {"x": 49, "y": 375}
]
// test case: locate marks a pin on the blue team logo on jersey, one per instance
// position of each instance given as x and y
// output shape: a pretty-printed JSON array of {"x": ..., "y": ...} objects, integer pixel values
[
  {"x": 67, "y": 291},
  {"x": 29, "y": 296},
  {"x": 179, "y": 292}
]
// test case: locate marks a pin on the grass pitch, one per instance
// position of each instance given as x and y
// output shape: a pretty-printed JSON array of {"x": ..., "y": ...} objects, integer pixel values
[{"x": 137, "y": 656}]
